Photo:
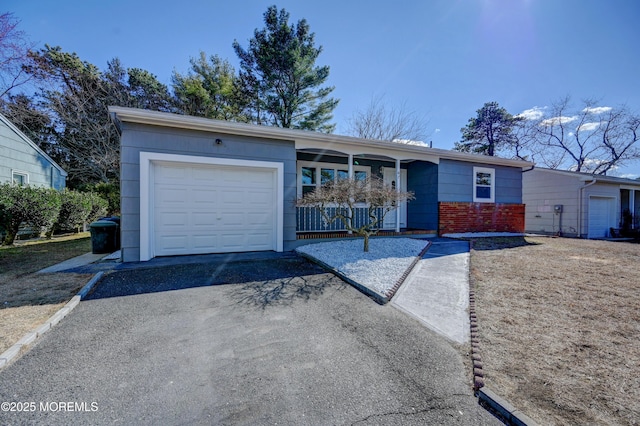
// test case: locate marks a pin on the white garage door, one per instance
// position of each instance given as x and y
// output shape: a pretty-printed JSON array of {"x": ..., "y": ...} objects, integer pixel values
[
  {"x": 601, "y": 216},
  {"x": 212, "y": 209}
]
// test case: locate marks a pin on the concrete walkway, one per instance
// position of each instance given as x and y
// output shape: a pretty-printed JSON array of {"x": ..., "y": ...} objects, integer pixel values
[
  {"x": 75, "y": 262},
  {"x": 437, "y": 290}
]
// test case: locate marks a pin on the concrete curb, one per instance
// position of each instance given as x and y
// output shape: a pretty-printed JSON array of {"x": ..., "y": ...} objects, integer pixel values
[
  {"x": 379, "y": 298},
  {"x": 404, "y": 276},
  {"x": 502, "y": 409},
  {"x": 23, "y": 344}
]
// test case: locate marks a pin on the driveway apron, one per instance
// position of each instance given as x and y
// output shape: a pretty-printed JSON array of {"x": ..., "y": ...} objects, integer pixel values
[{"x": 259, "y": 341}]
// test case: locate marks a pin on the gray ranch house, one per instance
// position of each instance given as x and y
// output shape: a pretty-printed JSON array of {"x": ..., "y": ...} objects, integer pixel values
[
  {"x": 582, "y": 205},
  {"x": 192, "y": 185},
  {"x": 23, "y": 162}
]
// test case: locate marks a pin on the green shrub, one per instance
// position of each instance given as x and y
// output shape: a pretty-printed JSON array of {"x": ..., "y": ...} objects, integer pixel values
[
  {"x": 74, "y": 212},
  {"x": 99, "y": 206},
  {"x": 34, "y": 206},
  {"x": 108, "y": 191}
]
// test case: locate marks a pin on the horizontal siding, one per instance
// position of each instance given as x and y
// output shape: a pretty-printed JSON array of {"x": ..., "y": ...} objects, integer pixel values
[
  {"x": 542, "y": 190},
  {"x": 136, "y": 138},
  {"x": 18, "y": 155},
  {"x": 455, "y": 182}
]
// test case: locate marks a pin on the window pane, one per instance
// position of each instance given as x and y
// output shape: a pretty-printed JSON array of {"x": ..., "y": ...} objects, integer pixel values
[
  {"x": 327, "y": 175},
  {"x": 19, "y": 179},
  {"x": 483, "y": 178},
  {"x": 307, "y": 189},
  {"x": 343, "y": 174},
  {"x": 308, "y": 176},
  {"x": 483, "y": 192},
  {"x": 360, "y": 175}
]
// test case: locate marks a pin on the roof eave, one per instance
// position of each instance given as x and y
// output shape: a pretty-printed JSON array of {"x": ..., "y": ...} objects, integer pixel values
[{"x": 301, "y": 137}]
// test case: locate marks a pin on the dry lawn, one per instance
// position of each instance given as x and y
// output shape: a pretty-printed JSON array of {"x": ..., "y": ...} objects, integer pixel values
[
  {"x": 559, "y": 323},
  {"x": 28, "y": 299}
]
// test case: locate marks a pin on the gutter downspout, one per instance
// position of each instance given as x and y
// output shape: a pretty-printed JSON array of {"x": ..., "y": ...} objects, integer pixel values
[{"x": 580, "y": 192}]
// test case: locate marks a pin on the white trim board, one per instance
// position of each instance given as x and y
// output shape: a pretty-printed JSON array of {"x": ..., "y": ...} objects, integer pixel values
[{"x": 146, "y": 192}]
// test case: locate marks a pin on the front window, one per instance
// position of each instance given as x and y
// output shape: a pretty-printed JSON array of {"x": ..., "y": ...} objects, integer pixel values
[
  {"x": 483, "y": 185},
  {"x": 312, "y": 174},
  {"x": 308, "y": 175}
]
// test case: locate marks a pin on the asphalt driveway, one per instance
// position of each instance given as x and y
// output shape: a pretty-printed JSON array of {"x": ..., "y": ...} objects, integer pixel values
[{"x": 260, "y": 341}]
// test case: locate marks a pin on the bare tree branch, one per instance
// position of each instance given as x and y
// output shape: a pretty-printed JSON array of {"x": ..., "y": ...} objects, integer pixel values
[
  {"x": 381, "y": 122},
  {"x": 339, "y": 200}
]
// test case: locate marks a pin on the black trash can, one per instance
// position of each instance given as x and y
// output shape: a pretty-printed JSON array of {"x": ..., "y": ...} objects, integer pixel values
[
  {"x": 103, "y": 236},
  {"x": 115, "y": 219}
]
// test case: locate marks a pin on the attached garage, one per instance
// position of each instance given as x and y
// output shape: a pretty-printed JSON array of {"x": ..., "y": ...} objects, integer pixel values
[
  {"x": 198, "y": 205},
  {"x": 602, "y": 216}
]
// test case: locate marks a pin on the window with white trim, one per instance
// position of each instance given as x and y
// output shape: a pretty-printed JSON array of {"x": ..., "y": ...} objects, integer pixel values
[
  {"x": 310, "y": 174},
  {"x": 20, "y": 178},
  {"x": 484, "y": 185}
]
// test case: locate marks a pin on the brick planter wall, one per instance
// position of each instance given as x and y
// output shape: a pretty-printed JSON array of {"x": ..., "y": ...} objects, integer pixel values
[{"x": 457, "y": 217}]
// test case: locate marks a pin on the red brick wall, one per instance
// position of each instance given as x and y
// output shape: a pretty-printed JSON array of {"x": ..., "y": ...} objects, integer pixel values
[{"x": 479, "y": 217}]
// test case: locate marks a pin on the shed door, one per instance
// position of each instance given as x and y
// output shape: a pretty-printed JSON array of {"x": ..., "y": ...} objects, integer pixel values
[
  {"x": 212, "y": 209},
  {"x": 601, "y": 216}
]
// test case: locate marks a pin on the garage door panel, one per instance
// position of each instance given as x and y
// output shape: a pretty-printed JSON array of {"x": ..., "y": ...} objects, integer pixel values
[
  {"x": 170, "y": 195},
  {"x": 229, "y": 197},
  {"x": 204, "y": 196},
  {"x": 203, "y": 219},
  {"x": 258, "y": 218},
  {"x": 170, "y": 174},
  {"x": 259, "y": 198},
  {"x": 211, "y": 209},
  {"x": 205, "y": 241},
  {"x": 174, "y": 242},
  {"x": 240, "y": 242},
  {"x": 601, "y": 216},
  {"x": 173, "y": 219}
]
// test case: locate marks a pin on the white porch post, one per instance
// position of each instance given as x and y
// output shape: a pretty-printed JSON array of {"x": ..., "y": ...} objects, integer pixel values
[
  {"x": 398, "y": 207},
  {"x": 350, "y": 177},
  {"x": 632, "y": 207}
]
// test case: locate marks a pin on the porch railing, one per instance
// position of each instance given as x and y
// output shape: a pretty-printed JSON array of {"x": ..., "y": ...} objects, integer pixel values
[{"x": 309, "y": 219}]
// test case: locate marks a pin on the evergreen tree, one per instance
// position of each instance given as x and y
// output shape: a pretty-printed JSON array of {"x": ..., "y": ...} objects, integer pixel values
[
  {"x": 279, "y": 79},
  {"x": 209, "y": 90},
  {"x": 492, "y": 129}
]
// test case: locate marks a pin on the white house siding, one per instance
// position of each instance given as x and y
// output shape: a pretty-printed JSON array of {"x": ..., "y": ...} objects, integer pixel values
[
  {"x": 541, "y": 191},
  {"x": 577, "y": 193}
]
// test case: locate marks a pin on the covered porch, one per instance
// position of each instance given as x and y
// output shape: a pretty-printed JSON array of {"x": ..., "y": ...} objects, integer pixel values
[
  {"x": 317, "y": 166},
  {"x": 629, "y": 225}
]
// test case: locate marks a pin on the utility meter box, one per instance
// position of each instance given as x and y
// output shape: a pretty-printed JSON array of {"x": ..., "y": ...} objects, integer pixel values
[{"x": 557, "y": 208}]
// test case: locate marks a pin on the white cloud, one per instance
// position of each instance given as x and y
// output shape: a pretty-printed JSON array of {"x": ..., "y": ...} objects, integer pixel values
[
  {"x": 630, "y": 176},
  {"x": 437, "y": 131},
  {"x": 535, "y": 113},
  {"x": 555, "y": 121},
  {"x": 597, "y": 110},
  {"x": 591, "y": 164},
  {"x": 410, "y": 142},
  {"x": 587, "y": 127}
]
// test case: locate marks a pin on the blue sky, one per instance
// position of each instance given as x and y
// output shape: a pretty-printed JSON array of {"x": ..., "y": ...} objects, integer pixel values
[{"x": 442, "y": 59}]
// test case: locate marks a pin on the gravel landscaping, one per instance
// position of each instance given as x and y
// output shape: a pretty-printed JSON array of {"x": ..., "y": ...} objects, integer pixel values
[{"x": 379, "y": 269}]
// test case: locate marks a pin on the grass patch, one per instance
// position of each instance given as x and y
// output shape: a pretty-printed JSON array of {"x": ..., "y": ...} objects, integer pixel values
[
  {"x": 558, "y": 322},
  {"x": 28, "y": 299}
]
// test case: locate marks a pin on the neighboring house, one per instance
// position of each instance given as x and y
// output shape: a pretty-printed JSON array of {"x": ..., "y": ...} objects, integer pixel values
[
  {"x": 582, "y": 205},
  {"x": 23, "y": 162},
  {"x": 192, "y": 185}
]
